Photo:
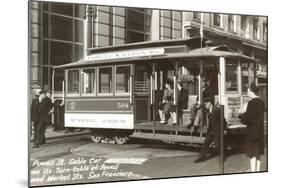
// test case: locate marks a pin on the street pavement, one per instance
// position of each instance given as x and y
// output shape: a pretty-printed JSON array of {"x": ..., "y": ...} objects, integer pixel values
[{"x": 65, "y": 161}]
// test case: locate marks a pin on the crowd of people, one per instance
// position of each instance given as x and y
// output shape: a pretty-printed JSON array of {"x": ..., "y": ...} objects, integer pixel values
[
  {"x": 167, "y": 108},
  {"x": 208, "y": 114}
]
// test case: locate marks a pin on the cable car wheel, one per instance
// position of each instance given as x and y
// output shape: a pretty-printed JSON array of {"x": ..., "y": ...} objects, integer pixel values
[
  {"x": 121, "y": 139},
  {"x": 96, "y": 138}
]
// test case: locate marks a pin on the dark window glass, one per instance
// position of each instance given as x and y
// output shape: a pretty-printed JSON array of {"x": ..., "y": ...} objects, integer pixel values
[
  {"x": 105, "y": 80},
  {"x": 255, "y": 28},
  {"x": 45, "y": 6},
  {"x": 196, "y": 15},
  {"x": 45, "y": 52},
  {"x": 243, "y": 24},
  {"x": 79, "y": 31},
  {"x": 231, "y": 81},
  {"x": 61, "y": 28},
  {"x": 78, "y": 52},
  {"x": 122, "y": 79},
  {"x": 217, "y": 20},
  {"x": 136, "y": 37},
  {"x": 265, "y": 32},
  {"x": 45, "y": 76},
  {"x": 59, "y": 77},
  {"x": 62, "y": 8},
  {"x": 73, "y": 82},
  {"x": 245, "y": 77},
  {"x": 61, "y": 53},
  {"x": 231, "y": 22},
  {"x": 139, "y": 24},
  {"x": 136, "y": 20},
  {"x": 45, "y": 25}
]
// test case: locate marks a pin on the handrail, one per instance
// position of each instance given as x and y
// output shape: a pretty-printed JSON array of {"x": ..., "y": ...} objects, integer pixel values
[
  {"x": 131, "y": 89},
  {"x": 151, "y": 90}
]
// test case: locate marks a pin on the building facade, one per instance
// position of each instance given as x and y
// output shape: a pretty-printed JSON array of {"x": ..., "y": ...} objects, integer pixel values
[
  {"x": 57, "y": 33},
  {"x": 243, "y": 33}
]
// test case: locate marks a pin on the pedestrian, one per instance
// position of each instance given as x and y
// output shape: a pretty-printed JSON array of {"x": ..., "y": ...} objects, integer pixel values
[
  {"x": 35, "y": 114},
  {"x": 254, "y": 119},
  {"x": 50, "y": 109},
  {"x": 182, "y": 102},
  {"x": 213, "y": 117},
  {"x": 166, "y": 107},
  {"x": 50, "y": 105},
  {"x": 40, "y": 118}
]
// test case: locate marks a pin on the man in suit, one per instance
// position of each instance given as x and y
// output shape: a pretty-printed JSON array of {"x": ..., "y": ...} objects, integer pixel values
[
  {"x": 182, "y": 100},
  {"x": 214, "y": 129},
  {"x": 49, "y": 105},
  {"x": 39, "y": 117}
]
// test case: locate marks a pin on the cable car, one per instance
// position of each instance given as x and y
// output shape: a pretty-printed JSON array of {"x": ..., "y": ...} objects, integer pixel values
[{"x": 115, "y": 90}]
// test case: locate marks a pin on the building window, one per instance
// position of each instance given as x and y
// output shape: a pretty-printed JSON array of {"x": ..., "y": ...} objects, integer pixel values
[
  {"x": 230, "y": 22},
  {"x": 231, "y": 79},
  {"x": 196, "y": 16},
  {"x": 105, "y": 80},
  {"x": 245, "y": 77},
  {"x": 265, "y": 32},
  {"x": 139, "y": 24},
  {"x": 217, "y": 20},
  {"x": 73, "y": 82},
  {"x": 62, "y": 8},
  {"x": 88, "y": 81},
  {"x": 122, "y": 79},
  {"x": 61, "y": 28},
  {"x": 105, "y": 26},
  {"x": 256, "y": 29},
  {"x": 243, "y": 26},
  {"x": 60, "y": 53}
]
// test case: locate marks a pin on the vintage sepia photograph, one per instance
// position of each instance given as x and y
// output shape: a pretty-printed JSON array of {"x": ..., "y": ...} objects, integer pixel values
[{"x": 131, "y": 93}]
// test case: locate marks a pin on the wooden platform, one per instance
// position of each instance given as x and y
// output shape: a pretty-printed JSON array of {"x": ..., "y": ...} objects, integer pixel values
[
  {"x": 170, "y": 138},
  {"x": 168, "y": 127}
]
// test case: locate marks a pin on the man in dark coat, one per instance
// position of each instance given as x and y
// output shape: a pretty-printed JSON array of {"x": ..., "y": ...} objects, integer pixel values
[
  {"x": 40, "y": 118},
  {"x": 214, "y": 129},
  {"x": 49, "y": 106},
  {"x": 182, "y": 100},
  {"x": 35, "y": 115}
]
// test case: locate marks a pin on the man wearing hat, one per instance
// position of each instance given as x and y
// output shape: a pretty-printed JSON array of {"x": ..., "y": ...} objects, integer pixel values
[
  {"x": 214, "y": 126},
  {"x": 50, "y": 106},
  {"x": 39, "y": 117},
  {"x": 182, "y": 100}
]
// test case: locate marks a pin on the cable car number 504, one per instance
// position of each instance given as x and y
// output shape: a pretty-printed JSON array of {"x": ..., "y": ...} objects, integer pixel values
[{"x": 122, "y": 105}]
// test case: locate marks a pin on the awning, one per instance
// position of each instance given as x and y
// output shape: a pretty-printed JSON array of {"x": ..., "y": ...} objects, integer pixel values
[{"x": 199, "y": 53}]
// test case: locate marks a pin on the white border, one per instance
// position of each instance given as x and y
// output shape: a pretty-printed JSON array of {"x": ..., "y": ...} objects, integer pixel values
[{"x": 14, "y": 110}]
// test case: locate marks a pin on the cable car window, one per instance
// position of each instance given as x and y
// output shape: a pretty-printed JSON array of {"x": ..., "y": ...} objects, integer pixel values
[
  {"x": 73, "y": 82},
  {"x": 231, "y": 80},
  {"x": 88, "y": 81},
  {"x": 122, "y": 79},
  {"x": 245, "y": 77},
  {"x": 105, "y": 80}
]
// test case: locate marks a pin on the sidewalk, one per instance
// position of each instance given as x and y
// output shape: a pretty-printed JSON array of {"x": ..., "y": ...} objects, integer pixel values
[{"x": 54, "y": 134}]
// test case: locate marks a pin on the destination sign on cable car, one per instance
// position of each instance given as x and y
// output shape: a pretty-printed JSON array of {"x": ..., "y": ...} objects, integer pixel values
[{"x": 125, "y": 54}]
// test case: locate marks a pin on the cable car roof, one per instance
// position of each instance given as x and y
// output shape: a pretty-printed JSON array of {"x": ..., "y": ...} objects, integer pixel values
[{"x": 198, "y": 53}]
